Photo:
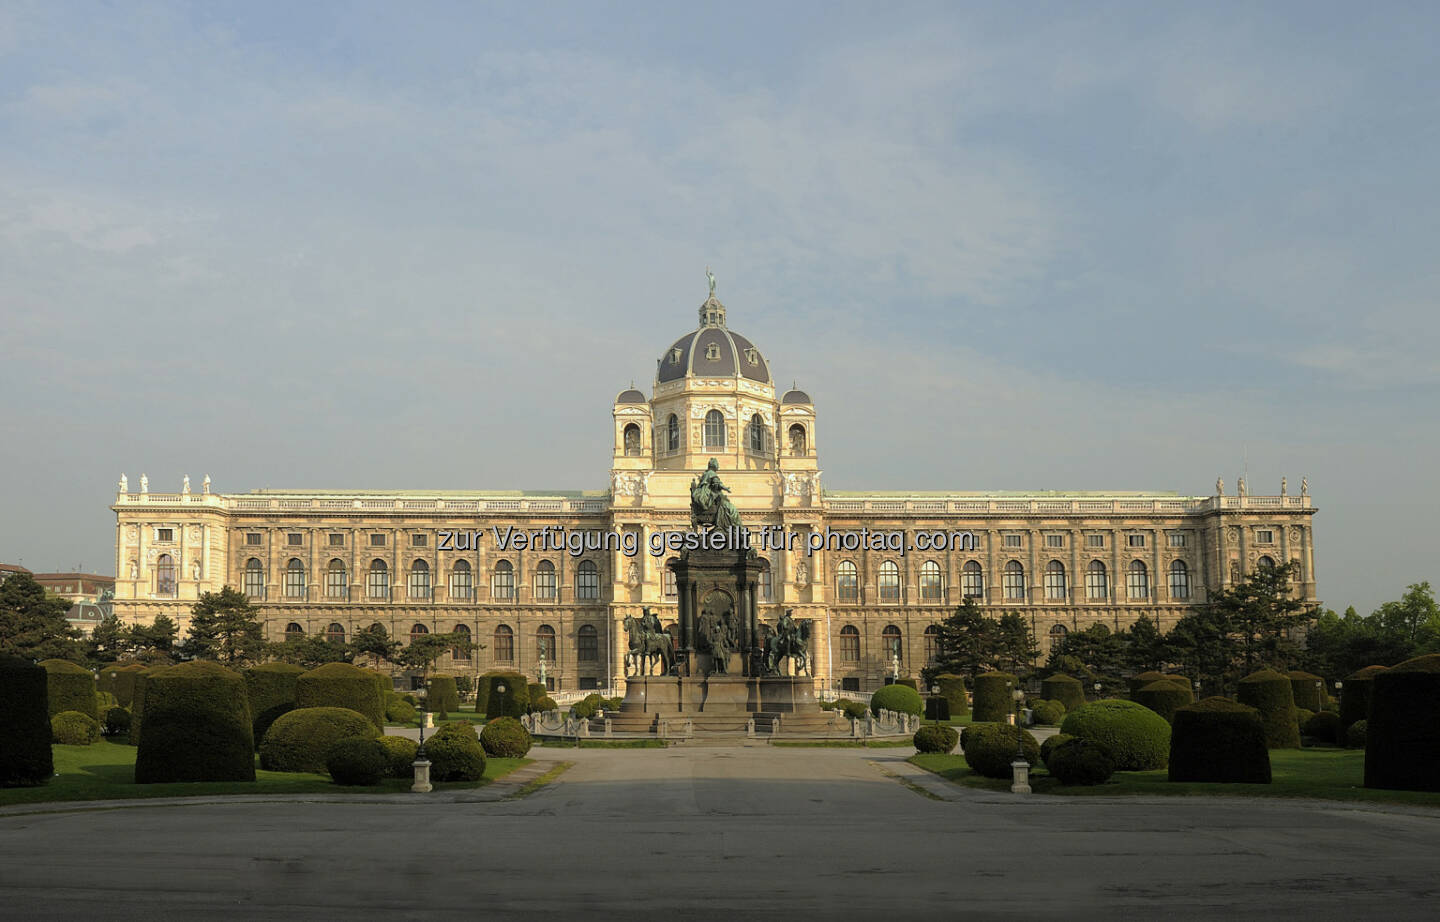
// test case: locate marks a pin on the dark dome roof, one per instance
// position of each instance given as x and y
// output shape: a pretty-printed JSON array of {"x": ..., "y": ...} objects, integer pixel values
[
  {"x": 796, "y": 397},
  {"x": 630, "y": 396},
  {"x": 713, "y": 351}
]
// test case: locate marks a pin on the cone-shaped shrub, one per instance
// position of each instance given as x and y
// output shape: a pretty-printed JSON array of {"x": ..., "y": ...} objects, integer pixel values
[
  {"x": 25, "y": 757},
  {"x": 1065, "y": 689},
  {"x": 994, "y": 701},
  {"x": 271, "y": 690},
  {"x": 1219, "y": 740},
  {"x": 952, "y": 689},
  {"x": 990, "y": 748},
  {"x": 341, "y": 685},
  {"x": 197, "y": 726},
  {"x": 72, "y": 687},
  {"x": 299, "y": 740},
  {"x": 1136, "y": 737},
  {"x": 1307, "y": 694},
  {"x": 1164, "y": 698},
  {"x": 900, "y": 698},
  {"x": 1355, "y": 695},
  {"x": 513, "y": 702},
  {"x": 1402, "y": 738},
  {"x": 442, "y": 697},
  {"x": 1270, "y": 693}
]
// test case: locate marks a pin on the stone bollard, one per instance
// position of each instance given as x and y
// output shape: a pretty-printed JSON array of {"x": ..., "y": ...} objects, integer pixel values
[
  {"x": 608, "y": 731},
  {"x": 774, "y": 727},
  {"x": 422, "y": 777},
  {"x": 664, "y": 729},
  {"x": 750, "y": 729},
  {"x": 855, "y": 727},
  {"x": 585, "y": 728},
  {"x": 1020, "y": 775}
]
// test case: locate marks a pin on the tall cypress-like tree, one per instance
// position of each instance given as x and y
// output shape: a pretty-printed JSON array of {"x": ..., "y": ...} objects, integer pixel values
[
  {"x": 1260, "y": 611},
  {"x": 966, "y": 642},
  {"x": 224, "y": 627},
  {"x": 32, "y": 623},
  {"x": 1014, "y": 647}
]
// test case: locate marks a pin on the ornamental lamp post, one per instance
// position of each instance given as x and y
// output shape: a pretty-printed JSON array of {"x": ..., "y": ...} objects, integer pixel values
[
  {"x": 1020, "y": 767},
  {"x": 1097, "y": 689},
  {"x": 422, "y": 763},
  {"x": 1319, "y": 695}
]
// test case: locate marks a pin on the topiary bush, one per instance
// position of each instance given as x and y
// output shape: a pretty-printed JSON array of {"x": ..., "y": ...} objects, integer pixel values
[
  {"x": 104, "y": 701},
  {"x": 1355, "y": 734},
  {"x": 1068, "y": 690},
  {"x": 901, "y": 698},
  {"x": 590, "y": 705},
  {"x": 270, "y": 689},
  {"x": 1301, "y": 716},
  {"x": 1137, "y": 682},
  {"x": 1324, "y": 727},
  {"x": 994, "y": 697},
  {"x": 341, "y": 685},
  {"x": 1303, "y": 686},
  {"x": 400, "y": 711},
  {"x": 513, "y": 702},
  {"x": 1049, "y": 745},
  {"x": 71, "y": 687},
  {"x": 1218, "y": 740},
  {"x": 72, "y": 728},
  {"x": 442, "y": 696},
  {"x": 298, "y": 741},
  {"x": 1355, "y": 694},
  {"x": 536, "y": 691},
  {"x": 1136, "y": 737},
  {"x": 1080, "y": 761},
  {"x": 25, "y": 757},
  {"x": 357, "y": 760},
  {"x": 1047, "y": 713},
  {"x": 853, "y": 710},
  {"x": 1402, "y": 737},
  {"x": 1165, "y": 698},
  {"x": 400, "y": 754},
  {"x": 989, "y": 748},
  {"x": 455, "y": 757},
  {"x": 197, "y": 726},
  {"x": 117, "y": 722},
  {"x": 505, "y": 738},
  {"x": 935, "y": 738},
  {"x": 137, "y": 706},
  {"x": 1270, "y": 693},
  {"x": 952, "y": 689},
  {"x": 120, "y": 681}
]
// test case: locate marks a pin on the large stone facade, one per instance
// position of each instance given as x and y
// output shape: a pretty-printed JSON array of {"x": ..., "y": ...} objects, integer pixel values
[{"x": 333, "y": 562}]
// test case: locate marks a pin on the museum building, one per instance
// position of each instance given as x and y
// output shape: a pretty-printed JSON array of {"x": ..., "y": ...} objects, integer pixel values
[{"x": 331, "y": 562}]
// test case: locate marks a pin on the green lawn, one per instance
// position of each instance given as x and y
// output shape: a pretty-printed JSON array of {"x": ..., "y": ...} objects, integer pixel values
[
  {"x": 106, "y": 771},
  {"x": 1323, "y": 773}
]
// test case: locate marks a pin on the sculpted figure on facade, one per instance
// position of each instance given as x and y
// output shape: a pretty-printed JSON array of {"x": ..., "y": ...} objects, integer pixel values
[
  {"x": 124, "y": 484},
  {"x": 708, "y": 503},
  {"x": 1219, "y": 487},
  {"x": 185, "y": 486},
  {"x": 144, "y": 484}
]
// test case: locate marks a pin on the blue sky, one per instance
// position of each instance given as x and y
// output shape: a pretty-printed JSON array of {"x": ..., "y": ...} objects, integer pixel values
[{"x": 1098, "y": 246}]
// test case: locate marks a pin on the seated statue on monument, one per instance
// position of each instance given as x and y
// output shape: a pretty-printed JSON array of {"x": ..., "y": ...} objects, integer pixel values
[{"x": 708, "y": 503}]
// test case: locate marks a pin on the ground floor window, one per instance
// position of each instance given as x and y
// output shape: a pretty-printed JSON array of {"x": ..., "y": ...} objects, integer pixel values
[{"x": 851, "y": 684}]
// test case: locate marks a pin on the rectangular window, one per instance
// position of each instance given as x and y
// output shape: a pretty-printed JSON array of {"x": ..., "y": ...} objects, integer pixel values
[
  {"x": 418, "y": 540},
  {"x": 851, "y": 684},
  {"x": 377, "y": 540},
  {"x": 1177, "y": 539},
  {"x": 587, "y": 647},
  {"x": 294, "y": 539},
  {"x": 1054, "y": 540},
  {"x": 337, "y": 540},
  {"x": 1262, "y": 536},
  {"x": 1135, "y": 540},
  {"x": 1094, "y": 540},
  {"x": 589, "y": 682},
  {"x": 252, "y": 539},
  {"x": 671, "y": 591},
  {"x": 164, "y": 534},
  {"x": 1012, "y": 540}
]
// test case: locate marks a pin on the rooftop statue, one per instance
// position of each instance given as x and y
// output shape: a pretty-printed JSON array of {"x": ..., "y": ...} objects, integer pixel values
[
  {"x": 708, "y": 503},
  {"x": 710, "y": 277}
]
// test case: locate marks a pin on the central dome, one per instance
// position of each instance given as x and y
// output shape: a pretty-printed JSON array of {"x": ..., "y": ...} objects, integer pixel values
[{"x": 713, "y": 351}]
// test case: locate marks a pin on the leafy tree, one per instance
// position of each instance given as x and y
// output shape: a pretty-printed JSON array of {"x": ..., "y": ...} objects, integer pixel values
[
  {"x": 312, "y": 651},
  {"x": 1202, "y": 643},
  {"x": 425, "y": 649},
  {"x": 154, "y": 642},
  {"x": 1014, "y": 648},
  {"x": 32, "y": 622},
  {"x": 965, "y": 643},
  {"x": 108, "y": 641},
  {"x": 224, "y": 627},
  {"x": 1260, "y": 613},
  {"x": 1094, "y": 654},
  {"x": 375, "y": 642},
  {"x": 1145, "y": 646},
  {"x": 1414, "y": 620}
]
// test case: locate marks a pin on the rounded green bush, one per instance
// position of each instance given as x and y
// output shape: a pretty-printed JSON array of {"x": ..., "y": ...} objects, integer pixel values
[
  {"x": 1355, "y": 694},
  {"x": 1136, "y": 737},
  {"x": 120, "y": 681},
  {"x": 952, "y": 689},
  {"x": 1303, "y": 688},
  {"x": 1049, "y": 745},
  {"x": 400, "y": 753},
  {"x": 357, "y": 760},
  {"x": 72, "y": 728},
  {"x": 505, "y": 738},
  {"x": 104, "y": 701},
  {"x": 1402, "y": 737},
  {"x": 1219, "y": 740},
  {"x": 1270, "y": 693},
  {"x": 117, "y": 722},
  {"x": 536, "y": 691},
  {"x": 341, "y": 685},
  {"x": 1047, "y": 713},
  {"x": 1137, "y": 682},
  {"x": 854, "y": 710},
  {"x": 442, "y": 696},
  {"x": 270, "y": 689},
  {"x": 297, "y": 741},
  {"x": 513, "y": 702},
  {"x": 545, "y": 703},
  {"x": 71, "y": 687},
  {"x": 455, "y": 729},
  {"x": 25, "y": 758},
  {"x": 1301, "y": 716},
  {"x": 590, "y": 705},
  {"x": 196, "y": 726},
  {"x": 1068, "y": 690},
  {"x": 994, "y": 700},
  {"x": 1324, "y": 726},
  {"x": 1164, "y": 698},
  {"x": 901, "y": 698},
  {"x": 400, "y": 711},
  {"x": 1355, "y": 734},
  {"x": 935, "y": 738},
  {"x": 455, "y": 758},
  {"x": 1079, "y": 761},
  {"x": 989, "y": 748}
]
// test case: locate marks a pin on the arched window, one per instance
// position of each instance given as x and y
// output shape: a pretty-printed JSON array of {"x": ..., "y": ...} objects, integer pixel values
[
  {"x": 545, "y": 580},
  {"x": 587, "y": 581},
  {"x": 1055, "y": 589},
  {"x": 667, "y": 579},
  {"x": 294, "y": 631},
  {"x": 1137, "y": 580},
  {"x": 972, "y": 580},
  {"x": 254, "y": 579},
  {"x": 462, "y": 585},
  {"x": 461, "y": 651},
  {"x": 672, "y": 433},
  {"x": 1012, "y": 580},
  {"x": 632, "y": 440},
  {"x": 419, "y": 579},
  {"x": 502, "y": 583},
  {"x": 714, "y": 429},
  {"x": 850, "y": 644},
  {"x": 335, "y": 633},
  {"x": 767, "y": 584},
  {"x": 418, "y": 630},
  {"x": 1097, "y": 586},
  {"x": 1265, "y": 563},
  {"x": 335, "y": 587},
  {"x": 587, "y": 644},
  {"x": 545, "y": 643},
  {"x": 932, "y": 644},
  {"x": 294, "y": 579},
  {"x": 797, "y": 439},
  {"x": 759, "y": 435},
  {"x": 889, "y": 583},
  {"x": 1057, "y": 635},
  {"x": 504, "y": 644},
  {"x": 165, "y": 575},
  {"x": 1179, "y": 580},
  {"x": 930, "y": 585},
  {"x": 890, "y": 643},
  {"x": 377, "y": 580},
  {"x": 847, "y": 582}
]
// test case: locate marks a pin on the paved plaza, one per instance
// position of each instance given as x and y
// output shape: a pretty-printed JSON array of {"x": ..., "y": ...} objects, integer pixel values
[{"x": 740, "y": 832}]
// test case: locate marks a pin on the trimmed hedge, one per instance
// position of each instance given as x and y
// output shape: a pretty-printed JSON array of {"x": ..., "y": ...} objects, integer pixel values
[
  {"x": 298, "y": 741},
  {"x": 1270, "y": 693},
  {"x": 197, "y": 726},
  {"x": 1068, "y": 690},
  {"x": 137, "y": 706},
  {"x": 935, "y": 738},
  {"x": 994, "y": 699},
  {"x": 71, "y": 687},
  {"x": 1137, "y": 682},
  {"x": 588, "y": 706},
  {"x": 1324, "y": 726},
  {"x": 1136, "y": 737},
  {"x": 1047, "y": 713},
  {"x": 1165, "y": 698},
  {"x": 952, "y": 689},
  {"x": 104, "y": 701},
  {"x": 1049, "y": 745},
  {"x": 270, "y": 689},
  {"x": 25, "y": 758},
  {"x": 1080, "y": 761},
  {"x": 513, "y": 703},
  {"x": 1402, "y": 741},
  {"x": 1355, "y": 734},
  {"x": 341, "y": 685},
  {"x": 505, "y": 738},
  {"x": 897, "y": 697},
  {"x": 400, "y": 752},
  {"x": 1302, "y": 686},
  {"x": 400, "y": 711},
  {"x": 455, "y": 753},
  {"x": 72, "y": 728},
  {"x": 357, "y": 760},
  {"x": 120, "y": 682},
  {"x": 536, "y": 691},
  {"x": 1221, "y": 741},
  {"x": 117, "y": 722},
  {"x": 442, "y": 696},
  {"x": 989, "y": 748},
  {"x": 1355, "y": 694}
]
